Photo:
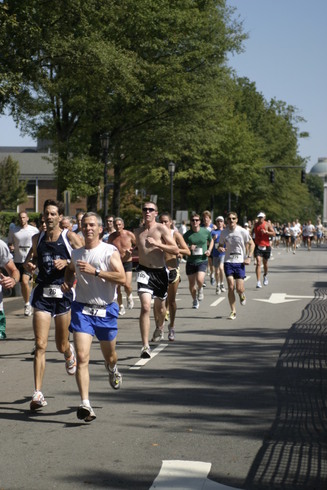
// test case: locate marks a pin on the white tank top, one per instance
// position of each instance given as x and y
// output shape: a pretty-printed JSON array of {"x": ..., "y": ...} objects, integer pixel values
[{"x": 89, "y": 288}]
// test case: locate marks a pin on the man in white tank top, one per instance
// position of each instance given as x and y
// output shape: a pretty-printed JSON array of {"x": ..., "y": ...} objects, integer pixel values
[{"x": 98, "y": 269}]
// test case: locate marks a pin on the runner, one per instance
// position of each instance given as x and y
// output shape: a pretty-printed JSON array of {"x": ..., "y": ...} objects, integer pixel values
[
  {"x": 98, "y": 269},
  {"x": 238, "y": 245}
]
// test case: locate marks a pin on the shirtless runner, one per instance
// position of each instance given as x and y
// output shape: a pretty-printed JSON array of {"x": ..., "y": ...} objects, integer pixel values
[
  {"x": 153, "y": 241},
  {"x": 124, "y": 240}
]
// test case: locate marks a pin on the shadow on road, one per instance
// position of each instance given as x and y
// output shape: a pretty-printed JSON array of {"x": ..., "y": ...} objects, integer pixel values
[{"x": 294, "y": 455}]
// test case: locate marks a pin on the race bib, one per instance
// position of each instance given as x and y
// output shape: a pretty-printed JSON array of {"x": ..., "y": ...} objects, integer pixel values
[
  {"x": 235, "y": 258},
  {"x": 261, "y": 247},
  {"x": 94, "y": 311},
  {"x": 142, "y": 277},
  {"x": 197, "y": 251},
  {"x": 53, "y": 291},
  {"x": 216, "y": 246}
]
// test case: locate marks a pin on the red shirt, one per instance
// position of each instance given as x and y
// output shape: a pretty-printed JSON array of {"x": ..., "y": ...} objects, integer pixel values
[{"x": 260, "y": 238}]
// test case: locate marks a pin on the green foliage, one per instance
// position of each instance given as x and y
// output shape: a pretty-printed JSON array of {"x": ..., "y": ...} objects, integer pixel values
[
  {"x": 157, "y": 80},
  {"x": 12, "y": 191}
]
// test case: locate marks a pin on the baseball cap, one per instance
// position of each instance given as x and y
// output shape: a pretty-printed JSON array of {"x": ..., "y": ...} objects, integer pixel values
[
  {"x": 261, "y": 215},
  {"x": 246, "y": 225},
  {"x": 220, "y": 218}
]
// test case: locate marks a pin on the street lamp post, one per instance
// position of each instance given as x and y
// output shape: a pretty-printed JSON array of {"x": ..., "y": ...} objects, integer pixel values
[
  {"x": 171, "y": 169},
  {"x": 105, "y": 139}
]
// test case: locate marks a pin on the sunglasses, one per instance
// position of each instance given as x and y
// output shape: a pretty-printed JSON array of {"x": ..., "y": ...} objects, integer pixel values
[
  {"x": 232, "y": 219},
  {"x": 148, "y": 209},
  {"x": 195, "y": 219}
]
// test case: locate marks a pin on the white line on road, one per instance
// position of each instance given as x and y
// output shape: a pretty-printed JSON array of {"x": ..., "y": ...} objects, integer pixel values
[
  {"x": 219, "y": 300},
  {"x": 186, "y": 475},
  {"x": 154, "y": 353}
]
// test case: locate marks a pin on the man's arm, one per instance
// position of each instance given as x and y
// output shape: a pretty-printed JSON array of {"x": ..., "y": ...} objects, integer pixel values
[
  {"x": 13, "y": 277},
  {"x": 69, "y": 278},
  {"x": 74, "y": 240},
  {"x": 30, "y": 261},
  {"x": 116, "y": 274},
  {"x": 167, "y": 243}
]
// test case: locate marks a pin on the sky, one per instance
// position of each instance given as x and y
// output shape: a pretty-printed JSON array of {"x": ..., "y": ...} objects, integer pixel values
[{"x": 285, "y": 55}]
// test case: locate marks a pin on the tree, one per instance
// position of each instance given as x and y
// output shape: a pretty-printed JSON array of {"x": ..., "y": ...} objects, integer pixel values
[
  {"x": 12, "y": 191},
  {"x": 92, "y": 67}
]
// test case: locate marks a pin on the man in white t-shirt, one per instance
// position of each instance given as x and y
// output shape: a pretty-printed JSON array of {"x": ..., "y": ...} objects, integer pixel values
[
  {"x": 6, "y": 281},
  {"x": 98, "y": 269},
  {"x": 238, "y": 246},
  {"x": 20, "y": 242}
]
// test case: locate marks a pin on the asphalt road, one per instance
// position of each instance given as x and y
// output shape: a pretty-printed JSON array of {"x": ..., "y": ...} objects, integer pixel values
[{"x": 230, "y": 404}]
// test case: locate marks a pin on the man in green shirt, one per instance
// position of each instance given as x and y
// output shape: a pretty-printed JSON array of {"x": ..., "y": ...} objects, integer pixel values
[{"x": 200, "y": 243}]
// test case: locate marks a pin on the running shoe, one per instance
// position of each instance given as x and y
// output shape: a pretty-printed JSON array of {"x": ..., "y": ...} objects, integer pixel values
[
  {"x": 27, "y": 310},
  {"x": 171, "y": 334},
  {"x": 158, "y": 335},
  {"x": 145, "y": 352},
  {"x": 218, "y": 290},
  {"x": 71, "y": 361},
  {"x": 232, "y": 315},
  {"x": 122, "y": 310},
  {"x": 259, "y": 284},
  {"x": 243, "y": 299},
  {"x": 200, "y": 294},
  {"x": 38, "y": 401},
  {"x": 3, "y": 335},
  {"x": 130, "y": 302},
  {"x": 86, "y": 413},
  {"x": 212, "y": 280},
  {"x": 195, "y": 304},
  {"x": 222, "y": 288},
  {"x": 115, "y": 378},
  {"x": 265, "y": 280}
]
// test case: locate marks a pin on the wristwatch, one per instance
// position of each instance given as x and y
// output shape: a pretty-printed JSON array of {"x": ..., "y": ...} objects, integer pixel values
[{"x": 97, "y": 272}]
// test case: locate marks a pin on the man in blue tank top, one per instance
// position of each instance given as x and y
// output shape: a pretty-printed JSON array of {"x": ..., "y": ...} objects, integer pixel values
[{"x": 50, "y": 254}]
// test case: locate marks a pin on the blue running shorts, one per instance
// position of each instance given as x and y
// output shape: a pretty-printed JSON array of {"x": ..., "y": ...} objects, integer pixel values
[
  {"x": 235, "y": 270},
  {"x": 104, "y": 328}
]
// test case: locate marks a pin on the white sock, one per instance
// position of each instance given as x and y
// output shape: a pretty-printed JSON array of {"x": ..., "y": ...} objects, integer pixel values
[{"x": 86, "y": 402}]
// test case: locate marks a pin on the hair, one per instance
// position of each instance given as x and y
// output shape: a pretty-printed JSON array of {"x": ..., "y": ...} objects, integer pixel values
[
  {"x": 23, "y": 212},
  {"x": 57, "y": 204},
  {"x": 110, "y": 216},
  {"x": 232, "y": 213},
  {"x": 165, "y": 214},
  {"x": 91, "y": 213},
  {"x": 119, "y": 219},
  {"x": 195, "y": 215},
  {"x": 69, "y": 219},
  {"x": 206, "y": 213},
  {"x": 153, "y": 204}
]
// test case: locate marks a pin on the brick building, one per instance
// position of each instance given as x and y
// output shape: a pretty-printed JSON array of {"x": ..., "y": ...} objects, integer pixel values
[{"x": 37, "y": 170}]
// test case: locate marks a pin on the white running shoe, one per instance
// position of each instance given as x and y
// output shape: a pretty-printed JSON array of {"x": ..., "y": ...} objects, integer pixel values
[
  {"x": 27, "y": 310},
  {"x": 71, "y": 361},
  {"x": 195, "y": 304},
  {"x": 38, "y": 401},
  {"x": 265, "y": 280},
  {"x": 243, "y": 299},
  {"x": 130, "y": 302},
  {"x": 200, "y": 294},
  {"x": 145, "y": 352},
  {"x": 171, "y": 333},
  {"x": 259, "y": 284},
  {"x": 86, "y": 413},
  {"x": 122, "y": 310},
  {"x": 158, "y": 335}
]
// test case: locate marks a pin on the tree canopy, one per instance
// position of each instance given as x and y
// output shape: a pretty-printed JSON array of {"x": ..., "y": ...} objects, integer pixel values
[{"x": 154, "y": 74}]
